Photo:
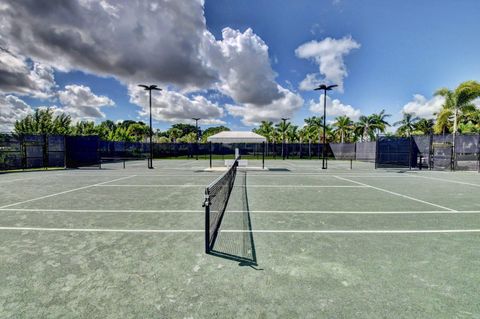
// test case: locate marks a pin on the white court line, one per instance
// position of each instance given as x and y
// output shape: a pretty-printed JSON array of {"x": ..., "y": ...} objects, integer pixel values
[
  {"x": 18, "y": 179},
  {"x": 237, "y": 211},
  {"x": 449, "y": 181},
  {"x": 109, "y": 230},
  {"x": 249, "y": 186},
  {"x": 234, "y": 211},
  {"x": 397, "y": 194},
  {"x": 53, "y": 210},
  {"x": 64, "y": 192}
]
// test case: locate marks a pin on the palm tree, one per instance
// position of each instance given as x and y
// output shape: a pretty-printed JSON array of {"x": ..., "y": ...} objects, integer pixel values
[
  {"x": 443, "y": 123},
  {"x": 380, "y": 121},
  {"x": 424, "y": 126},
  {"x": 85, "y": 128},
  {"x": 292, "y": 134},
  {"x": 407, "y": 124},
  {"x": 343, "y": 127},
  {"x": 174, "y": 134},
  {"x": 366, "y": 127},
  {"x": 460, "y": 100},
  {"x": 265, "y": 129},
  {"x": 315, "y": 126}
]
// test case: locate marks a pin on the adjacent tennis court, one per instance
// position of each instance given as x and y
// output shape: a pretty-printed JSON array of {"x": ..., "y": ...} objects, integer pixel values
[{"x": 294, "y": 241}]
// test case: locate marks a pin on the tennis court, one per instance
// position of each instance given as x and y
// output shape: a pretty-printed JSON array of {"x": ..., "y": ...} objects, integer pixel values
[{"x": 295, "y": 242}]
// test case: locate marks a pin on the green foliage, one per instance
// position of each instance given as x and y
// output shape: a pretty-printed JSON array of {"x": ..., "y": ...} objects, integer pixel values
[
  {"x": 212, "y": 131},
  {"x": 184, "y": 128},
  {"x": 44, "y": 122},
  {"x": 407, "y": 124}
]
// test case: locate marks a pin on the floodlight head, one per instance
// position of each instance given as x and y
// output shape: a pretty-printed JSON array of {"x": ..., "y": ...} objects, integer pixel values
[
  {"x": 325, "y": 87},
  {"x": 285, "y": 118},
  {"x": 149, "y": 88}
]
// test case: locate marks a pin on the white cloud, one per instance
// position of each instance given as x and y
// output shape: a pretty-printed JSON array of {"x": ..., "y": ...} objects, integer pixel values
[
  {"x": 160, "y": 41},
  {"x": 422, "y": 107},
  {"x": 334, "y": 108},
  {"x": 172, "y": 106},
  {"x": 82, "y": 104},
  {"x": 252, "y": 114},
  {"x": 12, "y": 109},
  {"x": 17, "y": 76},
  {"x": 244, "y": 68},
  {"x": 328, "y": 54}
]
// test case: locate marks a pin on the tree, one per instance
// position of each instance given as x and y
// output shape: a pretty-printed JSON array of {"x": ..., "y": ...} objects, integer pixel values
[
  {"x": 407, "y": 124},
  {"x": 292, "y": 134},
  {"x": 424, "y": 126},
  {"x": 85, "y": 128},
  {"x": 282, "y": 128},
  {"x": 189, "y": 138},
  {"x": 212, "y": 131},
  {"x": 315, "y": 127},
  {"x": 343, "y": 126},
  {"x": 174, "y": 133},
  {"x": 459, "y": 101},
  {"x": 184, "y": 128},
  {"x": 380, "y": 121},
  {"x": 266, "y": 129},
  {"x": 366, "y": 127},
  {"x": 138, "y": 131},
  {"x": 42, "y": 121}
]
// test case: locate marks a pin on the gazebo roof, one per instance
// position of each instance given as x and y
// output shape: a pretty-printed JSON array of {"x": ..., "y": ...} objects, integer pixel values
[{"x": 236, "y": 137}]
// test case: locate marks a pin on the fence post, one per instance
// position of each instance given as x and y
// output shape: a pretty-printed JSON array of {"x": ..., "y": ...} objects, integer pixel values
[
  {"x": 210, "y": 147},
  {"x": 376, "y": 153},
  {"x": 263, "y": 155},
  {"x": 410, "y": 138}
]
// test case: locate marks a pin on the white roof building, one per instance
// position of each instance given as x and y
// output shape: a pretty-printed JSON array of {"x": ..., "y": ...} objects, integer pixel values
[{"x": 236, "y": 137}]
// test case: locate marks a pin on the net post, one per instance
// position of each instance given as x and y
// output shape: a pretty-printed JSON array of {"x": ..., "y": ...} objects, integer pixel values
[
  {"x": 351, "y": 163},
  {"x": 206, "y": 204}
]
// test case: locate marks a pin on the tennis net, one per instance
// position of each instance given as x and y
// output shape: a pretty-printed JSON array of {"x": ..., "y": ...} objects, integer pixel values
[{"x": 217, "y": 195}]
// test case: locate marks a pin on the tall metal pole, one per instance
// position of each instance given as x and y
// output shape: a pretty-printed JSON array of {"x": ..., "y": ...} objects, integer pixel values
[
  {"x": 196, "y": 119},
  {"x": 325, "y": 88},
  {"x": 149, "y": 88},
  {"x": 283, "y": 137},
  {"x": 324, "y": 163},
  {"x": 150, "y": 165}
]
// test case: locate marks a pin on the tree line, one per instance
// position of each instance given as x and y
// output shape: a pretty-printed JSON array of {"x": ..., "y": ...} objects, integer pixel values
[
  {"x": 457, "y": 114},
  {"x": 44, "y": 121}
]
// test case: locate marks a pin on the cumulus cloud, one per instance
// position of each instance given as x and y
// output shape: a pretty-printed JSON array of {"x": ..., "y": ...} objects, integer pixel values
[
  {"x": 132, "y": 40},
  {"x": 244, "y": 68},
  {"x": 423, "y": 107},
  {"x": 172, "y": 106},
  {"x": 82, "y": 104},
  {"x": 12, "y": 109},
  {"x": 159, "y": 41},
  {"x": 17, "y": 76},
  {"x": 328, "y": 54},
  {"x": 334, "y": 108},
  {"x": 252, "y": 114}
]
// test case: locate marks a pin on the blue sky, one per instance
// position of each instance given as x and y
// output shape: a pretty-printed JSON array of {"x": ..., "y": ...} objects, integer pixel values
[{"x": 395, "y": 55}]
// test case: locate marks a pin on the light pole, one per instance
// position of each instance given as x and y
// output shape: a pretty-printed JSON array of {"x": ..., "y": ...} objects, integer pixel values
[
  {"x": 149, "y": 88},
  {"x": 196, "y": 119},
  {"x": 325, "y": 88},
  {"x": 283, "y": 136}
]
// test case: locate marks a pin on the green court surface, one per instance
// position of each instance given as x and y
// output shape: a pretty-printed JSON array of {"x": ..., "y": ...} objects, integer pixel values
[{"x": 296, "y": 241}]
